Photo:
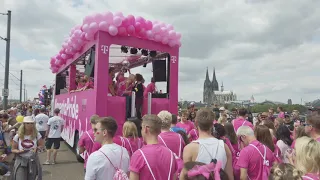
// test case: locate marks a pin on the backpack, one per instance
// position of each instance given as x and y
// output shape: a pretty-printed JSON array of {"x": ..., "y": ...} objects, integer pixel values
[
  {"x": 119, "y": 174},
  {"x": 266, "y": 166}
]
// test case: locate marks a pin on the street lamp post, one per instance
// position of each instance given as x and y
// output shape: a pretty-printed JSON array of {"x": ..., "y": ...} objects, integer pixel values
[{"x": 5, "y": 90}]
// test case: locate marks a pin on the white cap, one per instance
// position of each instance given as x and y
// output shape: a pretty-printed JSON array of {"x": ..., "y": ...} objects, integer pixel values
[
  {"x": 222, "y": 109},
  {"x": 28, "y": 119}
]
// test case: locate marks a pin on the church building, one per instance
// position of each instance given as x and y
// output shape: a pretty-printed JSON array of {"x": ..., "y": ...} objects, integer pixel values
[{"x": 212, "y": 94}]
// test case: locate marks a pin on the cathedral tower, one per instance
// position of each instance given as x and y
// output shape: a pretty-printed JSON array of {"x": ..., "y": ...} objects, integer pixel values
[
  {"x": 207, "y": 89},
  {"x": 215, "y": 85}
]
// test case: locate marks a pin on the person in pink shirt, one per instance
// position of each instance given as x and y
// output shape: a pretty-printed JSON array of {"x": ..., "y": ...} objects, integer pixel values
[
  {"x": 152, "y": 161},
  {"x": 170, "y": 139},
  {"x": 306, "y": 158},
  {"x": 150, "y": 88},
  {"x": 281, "y": 112},
  {"x": 256, "y": 159},
  {"x": 129, "y": 138},
  {"x": 241, "y": 120},
  {"x": 193, "y": 135},
  {"x": 86, "y": 143},
  {"x": 112, "y": 91},
  {"x": 312, "y": 127},
  {"x": 300, "y": 132},
  {"x": 206, "y": 148},
  {"x": 185, "y": 123}
]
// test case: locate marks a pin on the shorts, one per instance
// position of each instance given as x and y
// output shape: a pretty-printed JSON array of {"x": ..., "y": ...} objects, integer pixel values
[
  {"x": 54, "y": 141},
  {"x": 43, "y": 134}
]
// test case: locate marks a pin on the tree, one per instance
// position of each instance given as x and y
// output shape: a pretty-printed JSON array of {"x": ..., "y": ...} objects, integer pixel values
[{"x": 287, "y": 108}]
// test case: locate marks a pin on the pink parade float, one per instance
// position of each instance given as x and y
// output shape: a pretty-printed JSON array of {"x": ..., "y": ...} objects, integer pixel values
[
  {"x": 116, "y": 25},
  {"x": 102, "y": 41}
]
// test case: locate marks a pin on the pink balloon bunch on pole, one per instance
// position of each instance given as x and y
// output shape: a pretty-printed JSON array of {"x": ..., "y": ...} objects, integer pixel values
[{"x": 116, "y": 24}]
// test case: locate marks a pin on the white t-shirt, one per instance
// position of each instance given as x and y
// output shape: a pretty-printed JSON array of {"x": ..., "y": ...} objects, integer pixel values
[
  {"x": 42, "y": 122},
  {"x": 26, "y": 144},
  {"x": 100, "y": 168},
  {"x": 55, "y": 124}
]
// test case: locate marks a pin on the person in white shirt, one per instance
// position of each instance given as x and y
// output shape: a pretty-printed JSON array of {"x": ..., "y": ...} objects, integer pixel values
[
  {"x": 53, "y": 135},
  {"x": 102, "y": 164},
  {"x": 42, "y": 122}
]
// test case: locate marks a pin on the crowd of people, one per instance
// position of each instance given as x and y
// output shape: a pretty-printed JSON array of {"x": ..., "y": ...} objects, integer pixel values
[
  {"x": 196, "y": 145},
  {"x": 23, "y": 137}
]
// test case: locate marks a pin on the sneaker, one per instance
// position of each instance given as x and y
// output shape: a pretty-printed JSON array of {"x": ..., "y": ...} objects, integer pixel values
[
  {"x": 53, "y": 163},
  {"x": 7, "y": 174},
  {"x": 46, "y": 163}
]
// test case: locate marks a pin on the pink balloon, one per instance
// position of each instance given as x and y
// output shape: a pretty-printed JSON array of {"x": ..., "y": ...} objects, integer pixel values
[
  {"x": 137, "y": 27},
  {"x": 88, "y": 19},
  {"x": 142, "y": 33},
  {"x": 93, "y": 28},
  {"x": 113, "y": 31},
  {"x": 98, "y": 18},
  {"x": 131, "y": 30},
  {"x": 89, "y": 37},
  {"x": 117, "y": 21},
  {"x": 103, "y": 26},
  {"x": 149, "y": 34},
  {"x": 131, "y": 19},
  {"x": 178, "y": 36},
  {"x": 157, "y": 38},
  {"x": 63, "y": 56},
  {"x": 85, "y": 28},
  {"x": 108, "y": 17},
  {"x": 125, "y": 23},
  {"x": 148, "y": 25},
  {"x": 172, "y": 43},
  {"x": 122, "y": 31},
  {"x": 172, "y": 34},
  {"x": 169, "y": 27},
  {"x": 165, "y": 40},
  {"x": 118, "y": 14},
  {"x": 82, "y": 36},
  {"x": 140, "y": 19},
  {"x": 156, "y": 28}
]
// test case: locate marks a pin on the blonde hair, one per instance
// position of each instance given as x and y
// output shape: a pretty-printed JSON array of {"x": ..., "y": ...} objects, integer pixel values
[
  {"x": 93, "y": 119},
  {"x": 307, "y": 155},
  {"x": 21, "y": 131},
  {"x": 284, "y": 171},
  {"x": 166, "y": 118},
  {"x": 129, "y": 130},
  {"x": 153, "y": 122},
  {"x": 222, "y": 119}
]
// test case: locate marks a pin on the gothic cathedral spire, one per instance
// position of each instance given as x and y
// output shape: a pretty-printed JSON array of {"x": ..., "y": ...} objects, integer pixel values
[{"x": 215, "y": 84}]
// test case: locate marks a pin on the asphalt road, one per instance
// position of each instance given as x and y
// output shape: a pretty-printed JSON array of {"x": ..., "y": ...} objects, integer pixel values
[{"x": 66, "y": 168}]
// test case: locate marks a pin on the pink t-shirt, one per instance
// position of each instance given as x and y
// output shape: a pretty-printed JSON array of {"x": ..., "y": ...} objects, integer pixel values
[
  {"x": 194, "y": 135},
  {"x": 251, "y": 160},
  {"x": 173, "y": 141},
  {"x": 150, "y": 88},
  {"x": 188, "y": 125},
  {"x": 240, "y": 122},
  {"x": 87, "y": 141},
  {"x": 281, "y": 115},
  {"x": 131, "y": 144},
  {"x": 318, "y": 139},
  {"x": 159, "y": 158},
  {"x": 293, "y": 144}
]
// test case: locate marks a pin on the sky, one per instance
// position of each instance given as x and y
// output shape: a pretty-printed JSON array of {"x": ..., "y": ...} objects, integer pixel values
[{"x": 265, "y": 48}]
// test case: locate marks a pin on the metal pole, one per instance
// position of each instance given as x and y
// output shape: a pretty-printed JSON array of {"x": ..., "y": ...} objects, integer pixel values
[
  {"x": 149, "y": 102},
  {"x": 6, "y": 74},
  {"x": 24, "y": 91},
  {"x": 21, "y": 86},
  {"x": 133, "y": 104}
]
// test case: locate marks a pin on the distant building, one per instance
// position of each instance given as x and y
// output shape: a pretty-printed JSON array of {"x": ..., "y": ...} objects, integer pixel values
[
  {"x": 289, "y": 102},
  {"x": 212, "y": 94}
]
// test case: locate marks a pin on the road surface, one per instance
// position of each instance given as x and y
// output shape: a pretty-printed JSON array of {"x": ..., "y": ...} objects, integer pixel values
[{"x": 66, "y": 168}]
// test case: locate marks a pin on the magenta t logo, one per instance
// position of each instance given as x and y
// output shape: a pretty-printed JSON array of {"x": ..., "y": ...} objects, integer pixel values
[{"x": 104, "y": 49}]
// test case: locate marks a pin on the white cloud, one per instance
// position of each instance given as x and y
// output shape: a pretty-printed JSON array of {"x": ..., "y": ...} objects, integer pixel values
[{"x": 265, "y": 48}]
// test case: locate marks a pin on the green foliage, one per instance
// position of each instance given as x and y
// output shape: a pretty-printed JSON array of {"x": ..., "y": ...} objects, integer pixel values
[{"x": 287, "y": 108}]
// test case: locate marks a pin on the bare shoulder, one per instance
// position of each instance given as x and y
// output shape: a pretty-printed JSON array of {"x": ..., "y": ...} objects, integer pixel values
[{"x": 191, "y": 146}]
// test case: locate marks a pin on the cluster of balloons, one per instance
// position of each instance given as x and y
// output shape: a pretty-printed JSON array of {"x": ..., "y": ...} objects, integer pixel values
[{"x": 116, "y": 25}]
